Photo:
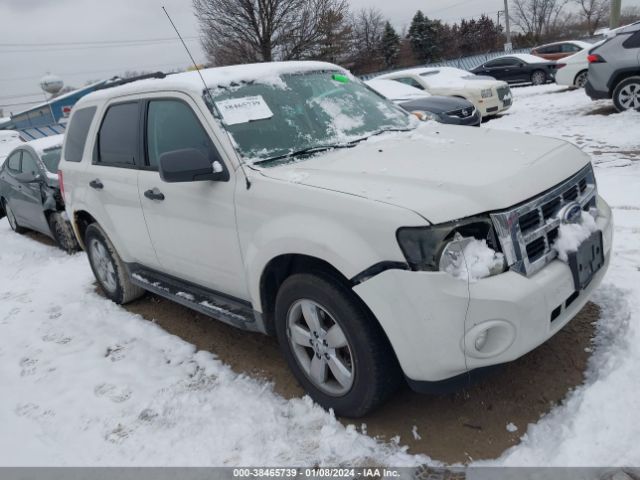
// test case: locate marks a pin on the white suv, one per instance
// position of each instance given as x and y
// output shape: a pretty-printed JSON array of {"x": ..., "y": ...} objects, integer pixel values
[{"x": 290, "y": 199}]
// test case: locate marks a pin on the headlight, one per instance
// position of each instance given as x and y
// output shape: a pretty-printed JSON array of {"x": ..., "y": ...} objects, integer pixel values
[
  {"x": 486, "y": 93},
  {"x": 441, "y": 247},
  {"x": 424, "y": 116}
]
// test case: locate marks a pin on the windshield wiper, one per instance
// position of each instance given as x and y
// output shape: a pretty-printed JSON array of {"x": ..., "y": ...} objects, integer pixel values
[{"x": 307, "y": 151}]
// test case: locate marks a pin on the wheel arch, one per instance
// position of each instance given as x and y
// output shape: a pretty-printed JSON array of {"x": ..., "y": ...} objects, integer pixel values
[
  {"x": 575, "y": 78},
  {"x": 81, "y": 220},
  {"x": 620, "y": 75}
]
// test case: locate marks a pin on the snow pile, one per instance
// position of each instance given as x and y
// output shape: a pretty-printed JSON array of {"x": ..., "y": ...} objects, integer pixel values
[
  {"x": 571, "y": 236},
  {"x": 84, "y": 382},
  {"x": 477, "y": 261}
]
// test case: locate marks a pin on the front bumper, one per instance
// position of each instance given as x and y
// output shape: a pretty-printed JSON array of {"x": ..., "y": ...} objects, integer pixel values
[
  {"x": 431, "y": 318},
  {"x": 473, "y": 120}
]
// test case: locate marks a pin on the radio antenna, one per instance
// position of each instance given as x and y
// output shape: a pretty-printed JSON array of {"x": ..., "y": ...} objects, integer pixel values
[{"x": 206, "y": 89}]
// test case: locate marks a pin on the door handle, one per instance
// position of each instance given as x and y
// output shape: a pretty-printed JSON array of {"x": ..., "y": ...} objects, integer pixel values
[
  {"x": 154, "y": 194},
  {"x": 97, "y": 184}
]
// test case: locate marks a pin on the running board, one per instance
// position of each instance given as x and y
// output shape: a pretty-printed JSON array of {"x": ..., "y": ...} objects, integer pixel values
[{"x": 235, "y": 312}]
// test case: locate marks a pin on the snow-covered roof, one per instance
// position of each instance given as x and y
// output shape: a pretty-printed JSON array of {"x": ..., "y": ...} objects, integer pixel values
[
  {"x": 394, "y": 90},
  {"x": 213, "y": 77},
  {"x": 525, "y": 57},
  {"x": 44, "y": 143},
  {"x": 425, "y": 71},
  {"x": 580, "y": 43}
]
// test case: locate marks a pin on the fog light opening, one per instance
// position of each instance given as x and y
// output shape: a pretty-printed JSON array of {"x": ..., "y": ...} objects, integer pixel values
[{"x": 481, "y": 340}]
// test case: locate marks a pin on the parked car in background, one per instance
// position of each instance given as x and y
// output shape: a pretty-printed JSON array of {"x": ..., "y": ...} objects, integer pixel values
[
  {"x": 9, "y": 139},
  {"x": 576, "y": 70},
  {"x": 519, "y": 68},
  {"x": 489, "y": 96},
  {"x": 451, "y": 110},
  {"x": 30, "y": 193},
  {"x": 614, "y": 68},
  {"x": 288, "y": 198},
  {"x": 559, "y": 50}
]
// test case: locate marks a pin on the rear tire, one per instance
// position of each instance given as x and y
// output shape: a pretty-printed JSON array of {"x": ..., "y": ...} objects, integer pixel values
[
  {"x": 538, "y": 77},
  {"x": 63, "y": 233},
  {"x": 345, "y": 361},
  {"x": 13, "y": 223},
  {"x": 626, "y": 95},
  {"x": 109, "y": 270},
  {"x": 581, "y": 79}
]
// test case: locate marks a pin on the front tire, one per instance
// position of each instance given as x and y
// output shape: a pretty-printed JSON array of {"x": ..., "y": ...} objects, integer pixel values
[
  {"x": 63, "y": 233},
  {"x": 626, "y": 95},
  {"x": 334, "y": 347},
  {"x": 108, "y": 268},
  {"x": 538, "y": 78},
  {"x": 13, "y": 223}
]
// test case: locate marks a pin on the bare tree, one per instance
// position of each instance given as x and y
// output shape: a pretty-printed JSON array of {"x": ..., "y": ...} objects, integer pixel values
[
  {"x": 242, "y": 31},
  {"x": 593, "y": 12},
  {"x": 537, "y": 17},
  {"x": 367, "y": 30}
]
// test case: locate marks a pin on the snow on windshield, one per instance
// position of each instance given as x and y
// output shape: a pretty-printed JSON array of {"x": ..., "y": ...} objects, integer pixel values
[{"x": 303, "y": 111}]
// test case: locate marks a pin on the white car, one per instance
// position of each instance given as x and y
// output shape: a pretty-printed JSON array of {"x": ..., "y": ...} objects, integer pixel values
[
  {"x": 489, "y": 96},
  {"x": 575, "y": 73},
  {"x": 290, "y": 199}
]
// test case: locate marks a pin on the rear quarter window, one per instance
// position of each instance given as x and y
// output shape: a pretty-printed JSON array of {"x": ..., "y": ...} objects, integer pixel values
[
  {"x": 118, "y": 136},
  {"x": 77, "y": 134},
  {"x": 633, "y": 41}
]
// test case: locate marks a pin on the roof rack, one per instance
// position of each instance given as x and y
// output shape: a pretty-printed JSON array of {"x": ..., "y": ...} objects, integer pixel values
[{"x": 124, "y": 81}]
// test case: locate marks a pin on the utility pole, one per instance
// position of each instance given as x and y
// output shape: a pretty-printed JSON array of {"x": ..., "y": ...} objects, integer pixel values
[
  {"x": 616, "y": 6},
  {"x": 508, "y": 46}
]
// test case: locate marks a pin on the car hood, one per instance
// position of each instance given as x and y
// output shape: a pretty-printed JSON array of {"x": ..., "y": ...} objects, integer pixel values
[
  {"x": 441, "y": 172},
  {"x": 436, "y": 104}
]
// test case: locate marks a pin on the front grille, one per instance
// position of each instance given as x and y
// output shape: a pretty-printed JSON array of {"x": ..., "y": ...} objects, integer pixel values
[
  {"x": 527, "y": 232},
  {"x": 503, "y": 92},
  {"x": 462, "y": 112}
]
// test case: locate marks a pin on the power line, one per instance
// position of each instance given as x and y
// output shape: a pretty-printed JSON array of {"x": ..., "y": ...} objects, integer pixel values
[
  {"x": 18, "y": 104},
  {"x": 11, "y": 97},
  {"x": 91, "y": 47},
  {"x": 90, "y": 42}
]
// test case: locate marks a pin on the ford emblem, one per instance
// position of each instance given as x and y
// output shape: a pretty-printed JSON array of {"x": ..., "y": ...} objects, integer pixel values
[{"x": 571, "y": 213}]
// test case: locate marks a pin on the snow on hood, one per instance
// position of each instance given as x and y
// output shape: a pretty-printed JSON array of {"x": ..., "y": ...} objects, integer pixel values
[
  {"x": 397, "y": 91},
  {"x": 439, "y": 171}
]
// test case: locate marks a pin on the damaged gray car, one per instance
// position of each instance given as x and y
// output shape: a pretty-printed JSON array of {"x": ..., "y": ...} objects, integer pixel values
[{"x": 30, "y": 194}]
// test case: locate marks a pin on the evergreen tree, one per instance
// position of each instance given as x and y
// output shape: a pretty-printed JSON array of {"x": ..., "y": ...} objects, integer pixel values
[
  {"x": 424, "y": 37},
  {"x": 390, "y": 46}
]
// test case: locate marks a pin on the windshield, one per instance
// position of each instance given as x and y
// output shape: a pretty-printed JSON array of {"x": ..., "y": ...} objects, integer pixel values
[
  {"x": 51, "y": 159},
  {"x": 303, "y": 112}
]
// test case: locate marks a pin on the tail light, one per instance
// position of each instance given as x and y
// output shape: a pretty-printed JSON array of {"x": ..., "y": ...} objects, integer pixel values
[
  {"x": 61, "y": 182},
  {"x": 560, "y": 65},
  {"x": 595, "y": 58}
]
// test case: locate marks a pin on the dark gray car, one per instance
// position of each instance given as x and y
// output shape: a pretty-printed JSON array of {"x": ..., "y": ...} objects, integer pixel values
[
  {"x": 450, "y": 110},
  {"x": 30, "y": 192}
]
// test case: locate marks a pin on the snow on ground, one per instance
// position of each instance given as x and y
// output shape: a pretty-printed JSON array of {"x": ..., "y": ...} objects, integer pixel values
[
  {"x": 599, "y": 422},
  {"x": 84, "y": 382}
]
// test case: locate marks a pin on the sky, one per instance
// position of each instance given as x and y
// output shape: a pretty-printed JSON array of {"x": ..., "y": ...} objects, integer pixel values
[{"x": 41, "y": 36}]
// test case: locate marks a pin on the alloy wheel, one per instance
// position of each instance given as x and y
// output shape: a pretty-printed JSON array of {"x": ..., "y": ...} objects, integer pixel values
[
  {"x": 538, "y": 78},
  {"x": 629, "y": 96},
  {"x": 103, "y": 265},
  {"x": 581, "y": 79},
  {"x": 320, "y": 347}
]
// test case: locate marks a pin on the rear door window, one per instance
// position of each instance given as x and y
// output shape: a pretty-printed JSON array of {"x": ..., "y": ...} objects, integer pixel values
[
  {"x": 77, "y": 134},
  {"x": 409, "y": 81},
  {"x": 118, "y": 136},
  {"x": 29, "y": 164},
  {"x": 172, "y": 125}
]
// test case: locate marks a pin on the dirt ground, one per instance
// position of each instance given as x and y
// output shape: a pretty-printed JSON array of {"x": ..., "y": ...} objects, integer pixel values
[{"x": 460, "y": 427}]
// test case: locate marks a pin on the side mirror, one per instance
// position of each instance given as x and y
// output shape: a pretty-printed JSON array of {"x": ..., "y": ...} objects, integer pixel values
[
  {"x": 29, "y": 177},
  {"x": 190, "y": 165}
]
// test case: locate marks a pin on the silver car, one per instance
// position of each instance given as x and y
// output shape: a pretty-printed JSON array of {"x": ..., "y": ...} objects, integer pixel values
[
  {"x": 30, "y": 192},
  {"x": 614, "y": 68}
]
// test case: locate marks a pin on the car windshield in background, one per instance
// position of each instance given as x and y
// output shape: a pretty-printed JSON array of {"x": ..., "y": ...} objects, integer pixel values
[
  {"x": 303, "y": 113},
  {"x": 51, "y": 159}
]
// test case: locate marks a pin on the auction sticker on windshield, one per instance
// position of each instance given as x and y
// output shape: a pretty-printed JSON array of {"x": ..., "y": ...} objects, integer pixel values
[{"x": 244, "y": 110}]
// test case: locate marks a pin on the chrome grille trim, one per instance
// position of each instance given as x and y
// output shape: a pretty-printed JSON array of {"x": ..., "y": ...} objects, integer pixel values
[{"x": 507, "y": 223}]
